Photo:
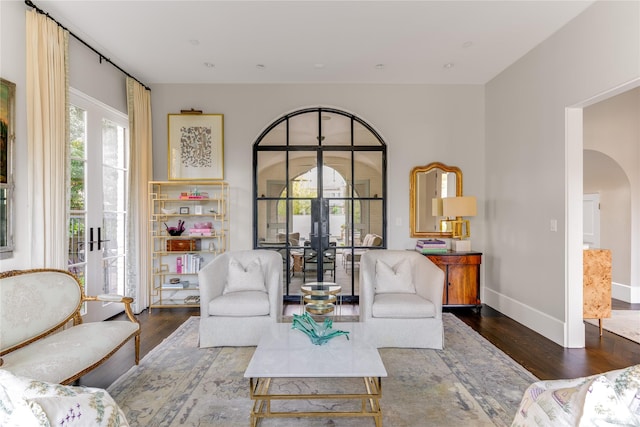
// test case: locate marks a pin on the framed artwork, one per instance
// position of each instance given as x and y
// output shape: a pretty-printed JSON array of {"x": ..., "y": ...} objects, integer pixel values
[
  {"x": 7, "y": 136},
  {"x": 184, "y": 211},
  {"x": 196, "y": 146}
]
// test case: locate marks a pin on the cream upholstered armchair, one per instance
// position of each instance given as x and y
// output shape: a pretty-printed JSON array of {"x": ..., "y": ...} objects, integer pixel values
[
  {"x": 401, "y": 299},
  {"x": 240, "y": 296}
]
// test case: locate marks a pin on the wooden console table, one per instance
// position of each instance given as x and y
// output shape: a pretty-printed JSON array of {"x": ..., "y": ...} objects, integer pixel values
[{"x": 461, "y": 278}]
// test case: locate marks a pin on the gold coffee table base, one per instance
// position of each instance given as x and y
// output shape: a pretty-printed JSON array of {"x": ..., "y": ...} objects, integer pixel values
[{"x": 370, "y": 407}]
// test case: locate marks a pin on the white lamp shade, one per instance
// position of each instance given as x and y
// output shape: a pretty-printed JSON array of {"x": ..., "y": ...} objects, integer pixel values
[{"x": 459, "y": 206}]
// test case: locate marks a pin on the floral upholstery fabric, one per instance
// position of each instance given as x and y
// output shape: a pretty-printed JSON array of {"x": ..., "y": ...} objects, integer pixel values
[
  {"x": 26, "y": 403},
  {"x": 609, "y": 399}
]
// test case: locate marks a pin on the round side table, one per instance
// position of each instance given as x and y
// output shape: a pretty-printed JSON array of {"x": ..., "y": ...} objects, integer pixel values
[{"x": 320, "y": 297}]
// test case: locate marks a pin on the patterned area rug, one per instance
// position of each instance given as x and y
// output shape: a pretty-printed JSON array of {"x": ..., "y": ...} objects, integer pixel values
[
  {"x": 625, "y": 323},
  {"x": 470, "y": 382}
]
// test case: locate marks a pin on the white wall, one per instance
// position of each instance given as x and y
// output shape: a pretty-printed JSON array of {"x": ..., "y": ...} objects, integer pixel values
[
  {"x": 526, "y": 176},
  {"x": 419, "y": 123}
]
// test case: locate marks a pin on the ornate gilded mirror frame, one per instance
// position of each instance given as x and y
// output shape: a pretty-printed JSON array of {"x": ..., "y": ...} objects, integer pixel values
[{"x": 420, "y": 201}]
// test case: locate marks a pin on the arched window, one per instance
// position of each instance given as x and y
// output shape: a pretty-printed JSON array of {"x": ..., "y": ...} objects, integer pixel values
[{"x": 319, "y": 186}]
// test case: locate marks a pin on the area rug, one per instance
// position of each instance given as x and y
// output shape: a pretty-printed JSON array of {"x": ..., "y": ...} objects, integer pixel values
[
  {"x": 470, "y": 382},
  {"x": 625, "y": 323}
]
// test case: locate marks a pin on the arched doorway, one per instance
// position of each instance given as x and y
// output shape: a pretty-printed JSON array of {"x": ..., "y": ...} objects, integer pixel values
[{"x": 319, "y": 186}]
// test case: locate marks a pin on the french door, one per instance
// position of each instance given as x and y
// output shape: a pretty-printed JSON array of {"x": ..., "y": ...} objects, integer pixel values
[
  {"x": 319, "y": 188},
  {"x": 99, "y": 159}
]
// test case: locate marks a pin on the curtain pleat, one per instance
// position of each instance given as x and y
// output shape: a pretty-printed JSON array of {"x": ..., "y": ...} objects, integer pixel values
[
  {"x": 47, "y": 129},
  {"x": 140, "y": 173}
]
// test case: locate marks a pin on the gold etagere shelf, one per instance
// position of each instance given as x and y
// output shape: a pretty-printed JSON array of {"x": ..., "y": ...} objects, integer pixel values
[{"x": 188, "y": 227}]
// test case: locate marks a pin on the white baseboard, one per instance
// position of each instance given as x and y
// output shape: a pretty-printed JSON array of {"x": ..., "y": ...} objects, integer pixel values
[
  {"x": 530, "y": 317},
  {"x": 625, "y": 293}
]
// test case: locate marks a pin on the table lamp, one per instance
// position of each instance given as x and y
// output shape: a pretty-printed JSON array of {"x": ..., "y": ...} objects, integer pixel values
[{"x": 455, "y": 208}]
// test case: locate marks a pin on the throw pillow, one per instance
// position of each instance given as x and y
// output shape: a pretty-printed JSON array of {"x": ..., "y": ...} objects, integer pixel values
[
  {"x": 591, "y": 401},
  {"x": 394, "y": 279},
  {"x": 244, "y": 278},
  {"x": 26, "y": 402}
]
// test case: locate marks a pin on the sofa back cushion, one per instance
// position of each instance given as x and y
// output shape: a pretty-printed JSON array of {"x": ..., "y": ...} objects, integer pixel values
[{"x": 33, "y": 302}]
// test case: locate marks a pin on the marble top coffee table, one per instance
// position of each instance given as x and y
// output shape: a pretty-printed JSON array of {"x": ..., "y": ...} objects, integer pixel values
[{"x": 286, "y": 353}]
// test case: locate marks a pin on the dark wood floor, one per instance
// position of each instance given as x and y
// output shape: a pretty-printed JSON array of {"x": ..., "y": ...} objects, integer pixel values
[{"x": 542, "y": 357}]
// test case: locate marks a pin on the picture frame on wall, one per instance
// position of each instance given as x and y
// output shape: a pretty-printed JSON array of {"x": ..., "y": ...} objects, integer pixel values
[{"x": 196, "y": 146}]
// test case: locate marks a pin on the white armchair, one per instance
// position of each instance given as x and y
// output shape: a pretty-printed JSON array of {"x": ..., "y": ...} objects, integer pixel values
[
  {"x": 240, "y": 296},
  {"x": 401, "y": 299}
]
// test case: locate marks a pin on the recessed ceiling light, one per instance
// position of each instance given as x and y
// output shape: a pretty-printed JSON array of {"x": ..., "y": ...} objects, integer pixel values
[
  {"x": 209, "y": 64},
  {"x": 379, "y": 66},
  {"x": 194, "y": 42},
  {"x": 261, "y": 66},
  {"x": 467, "y": 44},
  {"x": 318, "y": 66},
  {"x": 448, "y": 65}
]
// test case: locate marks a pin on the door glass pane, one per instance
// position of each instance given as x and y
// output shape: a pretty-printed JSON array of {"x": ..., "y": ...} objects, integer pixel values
[
  {"x": 271, "y": 221},
  {"x": 77, "y": 203},
  {"x": 368, "y": 173},
  {"x": 363, "y": 136},
  {"x": 271, "y": 173},
  {"x": 276, "y": 136},
  {"x": 304, "y": 129},
  {"x": 301, "y": 221},
  {"x": 336, "y": 129},
  {"x": 371, "y": 216},
  {"x": 301, "y": 162},
  {"x": 337, "y": 220},
  {"x": 77, "y": 153},
  {"x": 114, "y": 272},
  {"x": 114, "y": 191},
  {"x": 113, "y": 150},
  {"x": 76, "y": 238},
  {"x": 336, "y": 171}
]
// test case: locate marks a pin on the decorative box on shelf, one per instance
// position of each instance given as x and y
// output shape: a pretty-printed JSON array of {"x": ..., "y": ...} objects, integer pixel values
[
  {"x": 203, "y": 232},
  {"x": 183, "y": 245}
]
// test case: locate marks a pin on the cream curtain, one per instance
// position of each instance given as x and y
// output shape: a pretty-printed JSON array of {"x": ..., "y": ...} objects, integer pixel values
[
  {"x": 140, "y": 171},
  {"x": 47, "y": 129}
]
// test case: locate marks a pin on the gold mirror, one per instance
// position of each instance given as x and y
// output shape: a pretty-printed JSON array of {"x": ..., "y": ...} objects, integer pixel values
[{"x": 433, "y": 181}]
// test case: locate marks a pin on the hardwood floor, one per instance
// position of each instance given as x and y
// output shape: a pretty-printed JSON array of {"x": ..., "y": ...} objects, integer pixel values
[{"x": 542, "y": 357}]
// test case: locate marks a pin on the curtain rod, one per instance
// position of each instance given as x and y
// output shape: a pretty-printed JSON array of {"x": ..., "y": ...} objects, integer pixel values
[{"x": 101, "y": 56}]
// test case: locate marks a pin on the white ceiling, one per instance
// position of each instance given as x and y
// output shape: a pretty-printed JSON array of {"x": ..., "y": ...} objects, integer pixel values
[{"x": 314, "y": 41}]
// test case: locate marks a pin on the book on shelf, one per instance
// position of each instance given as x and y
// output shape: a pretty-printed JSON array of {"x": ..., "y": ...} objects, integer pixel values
[
  {"x": 431, "y": 243},
  {"x": 188, "y": 263},
  {"x": 182, "y": 284},
  {"x": 432, "y": 250}
]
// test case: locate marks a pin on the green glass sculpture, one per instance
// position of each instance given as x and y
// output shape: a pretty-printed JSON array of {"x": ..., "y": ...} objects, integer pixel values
[{"x": 318, "y": 333}]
